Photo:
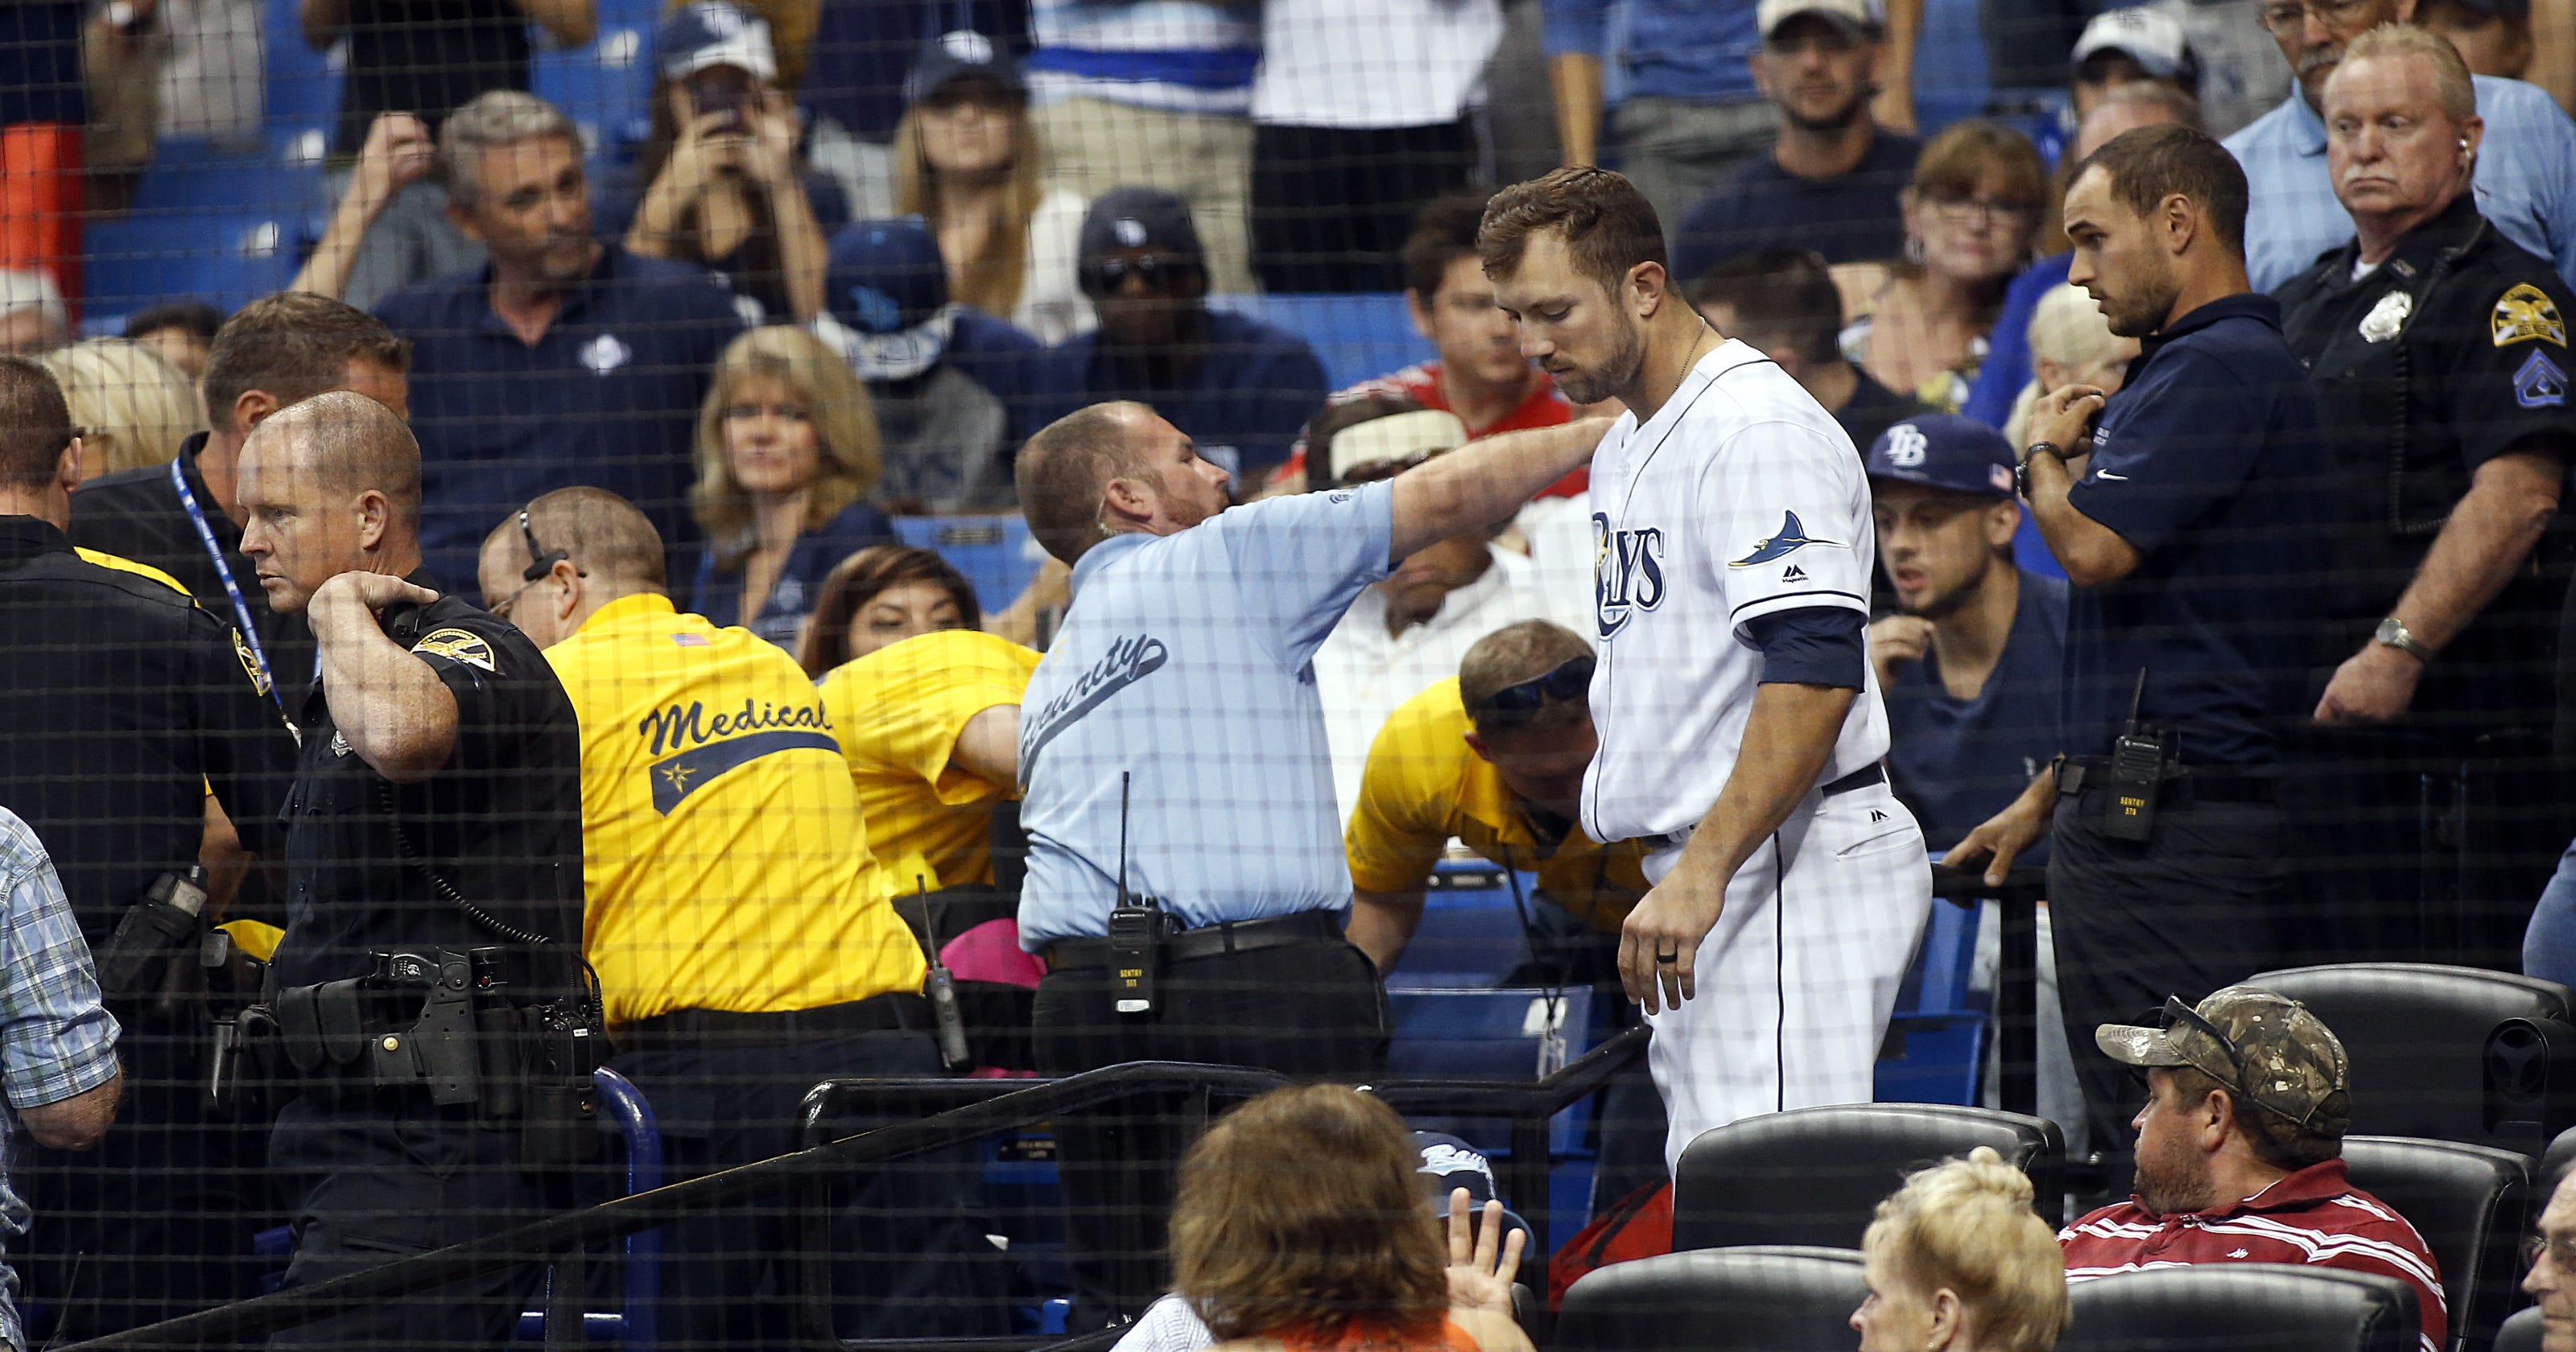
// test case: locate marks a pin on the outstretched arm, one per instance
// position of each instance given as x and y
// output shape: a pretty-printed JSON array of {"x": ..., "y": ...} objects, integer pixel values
[{"x": 1482, "y": 483}]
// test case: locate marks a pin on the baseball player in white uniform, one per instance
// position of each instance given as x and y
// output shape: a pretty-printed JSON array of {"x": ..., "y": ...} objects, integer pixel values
[{"x": 1741, "y": 727}]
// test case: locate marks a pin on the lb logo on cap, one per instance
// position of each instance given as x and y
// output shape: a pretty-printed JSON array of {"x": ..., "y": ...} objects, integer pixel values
[
  {"x": 1906, "y": 446},
  {"x": 2525, "y": 313}
]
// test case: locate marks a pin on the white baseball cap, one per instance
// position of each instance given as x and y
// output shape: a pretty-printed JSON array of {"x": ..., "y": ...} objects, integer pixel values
[
  {"x": 1859, "y": 16},
  {"x": 1397, "y": 437},
  {"x": 2151, "y": 37}
]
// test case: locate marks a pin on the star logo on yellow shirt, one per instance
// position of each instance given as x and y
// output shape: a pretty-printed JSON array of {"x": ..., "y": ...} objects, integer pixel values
[{"x": 678, "y": 775}]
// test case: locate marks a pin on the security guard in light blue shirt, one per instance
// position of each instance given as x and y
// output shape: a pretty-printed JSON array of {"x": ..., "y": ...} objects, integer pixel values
[{"x": 1186, "y": 881}]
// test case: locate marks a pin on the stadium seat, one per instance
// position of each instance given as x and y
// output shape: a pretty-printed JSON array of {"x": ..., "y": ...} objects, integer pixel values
[
  {"x": 993, "y": 550},
  {"x": 1356, "y": 337},
  {"x": 2553, "y": 1167},
  {"x": 226, "y": 259},
  {"x": 1769, "y": 1299},
  {"x": 624, "y": 1110},
  {"x": 2243, "y": 1307},
  {"x": 2521, "y": 1333},
  {"x": 1936, "y": 1040},
  {"x": 1490, "y": 1036},
  {"x": 2448, "y": 1053},
  {"x": 1470, "y": 936},
  {"x": 1815, "y": 1175},
  {"x": 2471, "y": 1205}
]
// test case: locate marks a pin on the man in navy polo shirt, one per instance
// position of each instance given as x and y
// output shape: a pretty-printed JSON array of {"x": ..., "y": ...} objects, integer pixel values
[
  {"x": 1239, "y": 387},
  {"x": 565, "y": 360},
  {"x": 2181, "y": 509},
  {"x": 1972, "y": 662}
]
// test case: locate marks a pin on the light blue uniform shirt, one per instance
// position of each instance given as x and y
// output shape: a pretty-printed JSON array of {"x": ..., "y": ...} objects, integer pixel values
[
  {"x": 1187, "y": 662},
  {"x": 2526, "y": 182}
]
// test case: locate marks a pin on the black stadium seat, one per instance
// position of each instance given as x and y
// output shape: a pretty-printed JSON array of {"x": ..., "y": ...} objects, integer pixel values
[
  {"x": 2553, "y": 1167},
  {"x": 1769, "y": 1299},
  {"x": 2470, "y": 1203},
  {"x": 2520, "y": 1333},
  {"x": 2449, "y": 1053},
  {"x": 2243, "y": 1307},
  {"x": 1816, "y": 1175}
]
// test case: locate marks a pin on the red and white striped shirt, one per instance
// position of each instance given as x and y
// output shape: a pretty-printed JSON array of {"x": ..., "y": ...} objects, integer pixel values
[{"x": 2314, "y": 1217}]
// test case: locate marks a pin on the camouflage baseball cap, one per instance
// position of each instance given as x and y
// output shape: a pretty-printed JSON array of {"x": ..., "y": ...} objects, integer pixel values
[{"x": 2264, "y": 1047}]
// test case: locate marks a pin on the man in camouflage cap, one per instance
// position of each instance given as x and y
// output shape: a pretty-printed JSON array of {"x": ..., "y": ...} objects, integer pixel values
[{"x": 2240, "y": 1154}]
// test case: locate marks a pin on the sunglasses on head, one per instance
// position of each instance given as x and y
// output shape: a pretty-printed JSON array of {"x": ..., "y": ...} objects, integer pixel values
[
  {"x": 1159, "y": 272},
  {"x": 2176, "y": 1012},
  {"x": 1567, "y": 680}
]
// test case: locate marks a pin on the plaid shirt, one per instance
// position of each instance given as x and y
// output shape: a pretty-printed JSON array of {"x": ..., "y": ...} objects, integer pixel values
[{"x": 56, "y": 1039}]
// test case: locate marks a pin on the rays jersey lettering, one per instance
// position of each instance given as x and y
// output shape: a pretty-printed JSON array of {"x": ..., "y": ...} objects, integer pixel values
[{"x": 1627, "y": 573}]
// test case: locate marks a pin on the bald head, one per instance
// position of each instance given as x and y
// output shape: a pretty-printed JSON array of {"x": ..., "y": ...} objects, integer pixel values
[
  {"x": 350, "y": 444},
  {"x": 1516, "y": 653},
  {"x": 1064, "y": 473},
  {"x": 603, "y": 535}
]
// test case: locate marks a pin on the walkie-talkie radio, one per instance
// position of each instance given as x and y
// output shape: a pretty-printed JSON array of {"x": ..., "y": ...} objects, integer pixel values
[
  {"x": 2137, "y": 770},
  {"x": 940, "y": 986},
  {"x": 1135, "y": 933}
]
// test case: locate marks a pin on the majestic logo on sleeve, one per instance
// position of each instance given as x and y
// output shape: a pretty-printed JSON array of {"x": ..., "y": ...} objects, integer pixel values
[
  {"x": 1627, "y": 573},
  {"x": 1128, "y": 661},
  {"x": 1790, "y": 538}
]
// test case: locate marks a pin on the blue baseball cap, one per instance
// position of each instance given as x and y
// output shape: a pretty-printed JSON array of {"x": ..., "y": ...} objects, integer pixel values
[
  {"x": 713, "y": 33},
  {"x": 1453, "y": 1164},
  {"x": 1945, "y": 451},
  {"x": 1139, "y": 218},
  {"x": 886, "y": 291},
  {"x": 962, "y": 54}
]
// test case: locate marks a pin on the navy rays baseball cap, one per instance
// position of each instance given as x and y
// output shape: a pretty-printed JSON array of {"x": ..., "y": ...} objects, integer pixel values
[
  {"x": 887, "y": 292},
  {"x": 962, "y": 55},
  {"x": 1138, "y": 218},
  {"x": 713, "y": 33},
  {"x": 1451, "y": 1163},
  {"x": 1945, "y": 451}
]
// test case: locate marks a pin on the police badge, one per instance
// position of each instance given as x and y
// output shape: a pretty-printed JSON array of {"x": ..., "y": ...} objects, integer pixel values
[{"x": 2388, "y": 317}]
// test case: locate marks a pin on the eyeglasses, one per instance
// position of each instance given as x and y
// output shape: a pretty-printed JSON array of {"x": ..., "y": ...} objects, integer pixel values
[
  {"x": 2560, "y": 1250},
  {"x": 2337, "y": 15},
  {"x": 1159, "y": 272},
  {"x": 1569, "y": 679},
  {"x": 1983, "y": 211},
  {"x": 541, "y": 565}
]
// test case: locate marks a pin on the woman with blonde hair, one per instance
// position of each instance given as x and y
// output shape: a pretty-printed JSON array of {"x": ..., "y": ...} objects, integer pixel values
[
  {"x": 787, "y": 455},
  {"x": 133, "y": 407},
  {"x": 1958, "y": 1262},
  {"x": 1970, "y": 217},
  {"x": 2070, "y": 344},
  {"x": 966, "y": 160},
  {"x": 1301, "y": 1226}
]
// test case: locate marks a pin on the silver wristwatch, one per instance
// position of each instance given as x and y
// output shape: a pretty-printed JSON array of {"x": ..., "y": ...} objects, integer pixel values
[{"x": 2392, "y": 633}]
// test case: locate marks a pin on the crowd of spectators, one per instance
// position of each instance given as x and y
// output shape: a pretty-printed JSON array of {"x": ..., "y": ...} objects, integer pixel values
[{"x": 661, "y": 406}]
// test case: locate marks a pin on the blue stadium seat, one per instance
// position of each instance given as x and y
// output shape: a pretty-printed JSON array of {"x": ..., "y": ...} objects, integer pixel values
[
  {"x": 1470, "y": 936},
  {"x": 303, "y": 84},
  {"x": 223, "y": 258},
  {"x": 1491, "y": 1036},
  {"x": 1939, "y": 1029},
  {"x": 1356, "y": 337},
  {"x": 992, "y": 549},
  {"x": 191, "y": 178},
  {"x": 624, "y": 1109},
  {"x": 604, "y": 86}
]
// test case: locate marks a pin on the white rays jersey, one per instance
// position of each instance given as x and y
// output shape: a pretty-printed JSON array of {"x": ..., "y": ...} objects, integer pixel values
[{"x": 1740, "y": 498}]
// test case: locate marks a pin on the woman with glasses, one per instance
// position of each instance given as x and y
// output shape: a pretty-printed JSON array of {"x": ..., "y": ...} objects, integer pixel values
[
  {"x": 1970, "y": 217},
  {"x": 966, "y": 160},
  {"x": 787, "y": 455},
  {"x": 1957, "y": 1261}
]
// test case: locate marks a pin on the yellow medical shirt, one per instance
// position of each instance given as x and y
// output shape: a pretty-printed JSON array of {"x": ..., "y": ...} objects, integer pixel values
[
  {"x": 722, "y": 844},
  {"x": 898, "y": 712},
  {"x": 1424, "y": 785}
]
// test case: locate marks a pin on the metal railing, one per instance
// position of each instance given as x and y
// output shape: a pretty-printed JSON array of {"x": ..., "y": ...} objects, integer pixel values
[{"x": 977, "y": 1109}]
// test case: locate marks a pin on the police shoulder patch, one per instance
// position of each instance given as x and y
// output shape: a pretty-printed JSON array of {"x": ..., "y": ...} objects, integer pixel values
[
  {"x": 457, "y": 645},
  {"x": 249, "y": 663},
  {"x": 2525, "y": 313}
]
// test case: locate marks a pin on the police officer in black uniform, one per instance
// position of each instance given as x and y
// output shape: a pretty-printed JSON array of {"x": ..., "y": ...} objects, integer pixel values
[
  {"x": 125, "y": 703},
  {"x": 2439, "y": 349},
  {"x": 429, "y": 1007}
]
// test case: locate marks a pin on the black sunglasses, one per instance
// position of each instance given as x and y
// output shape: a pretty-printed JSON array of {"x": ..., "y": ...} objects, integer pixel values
[
  {"x": 1569, "y": 679},
  {"x": 1159, "y": 272},
  {"x": 2176, "y": 1011}
]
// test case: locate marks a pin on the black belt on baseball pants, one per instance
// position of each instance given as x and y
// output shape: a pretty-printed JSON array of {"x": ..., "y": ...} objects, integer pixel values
[
  {"x": 2198, "y": 906},
  {"x": 1287, "y": 994}
]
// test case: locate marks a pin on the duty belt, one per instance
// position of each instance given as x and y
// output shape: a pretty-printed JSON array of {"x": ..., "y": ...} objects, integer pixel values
[
  {"x": 1862, "y": 778},
  {"x": 1209, "y": 941},
  {"x": 2182, "y": 786}
]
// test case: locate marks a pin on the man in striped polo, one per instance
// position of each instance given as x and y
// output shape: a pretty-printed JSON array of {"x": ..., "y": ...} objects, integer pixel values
[{"x": 2240, "y": 1154}]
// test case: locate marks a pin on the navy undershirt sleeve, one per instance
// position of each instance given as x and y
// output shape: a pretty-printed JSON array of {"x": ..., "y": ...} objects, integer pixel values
[{"x": 1813, "y": 645}]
